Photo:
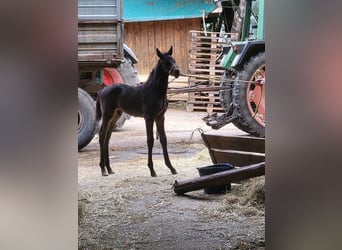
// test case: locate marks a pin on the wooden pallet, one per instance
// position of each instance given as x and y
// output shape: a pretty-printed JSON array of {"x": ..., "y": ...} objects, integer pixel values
[
  {"x": 204, "y": 102},
  {"x": 180, "y": 82},
  {"x": 205, "y": 69}
]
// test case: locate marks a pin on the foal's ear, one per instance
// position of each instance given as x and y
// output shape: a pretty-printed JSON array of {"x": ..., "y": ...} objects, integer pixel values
[
  {"x": 160, "y": 55},
  {"x": 170, "y": 51}
]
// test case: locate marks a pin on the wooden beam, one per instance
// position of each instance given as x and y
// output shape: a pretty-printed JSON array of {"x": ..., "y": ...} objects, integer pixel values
[
  {"x": 236, "y": 158},
  {"x": 219, "y": 179},
  {"x": 237, "y": 143}
]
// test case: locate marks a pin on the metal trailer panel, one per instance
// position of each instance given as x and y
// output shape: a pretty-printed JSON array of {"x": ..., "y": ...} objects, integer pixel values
[
  {"x": 100, "y": 27},
  {"x": 99, "y": 10}
]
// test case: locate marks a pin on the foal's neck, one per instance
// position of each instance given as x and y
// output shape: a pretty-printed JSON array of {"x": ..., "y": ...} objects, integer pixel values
[{"x": 159, "y": 79}]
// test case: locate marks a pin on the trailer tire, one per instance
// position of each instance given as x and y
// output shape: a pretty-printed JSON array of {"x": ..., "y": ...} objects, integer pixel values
[
  {"x": 249, "y": 98},
  {"x": 87, "y": 123}
]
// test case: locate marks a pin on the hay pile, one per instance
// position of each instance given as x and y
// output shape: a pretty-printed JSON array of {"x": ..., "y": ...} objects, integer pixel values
[
  {"x": 246, "y": 200},
  {"x": 242, "y": 207},
  {"x": 252, "y": 192}
]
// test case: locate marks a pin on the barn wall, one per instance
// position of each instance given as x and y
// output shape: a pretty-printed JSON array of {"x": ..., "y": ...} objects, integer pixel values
[{"x": 144, "y": 37}]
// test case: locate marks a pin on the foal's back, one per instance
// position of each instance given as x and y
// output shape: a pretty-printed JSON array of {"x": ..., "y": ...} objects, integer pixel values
[
  {"x": 124, "y": 97},
  {"x": 135, "y": 100},
  {"x": 142, "y": 100}
]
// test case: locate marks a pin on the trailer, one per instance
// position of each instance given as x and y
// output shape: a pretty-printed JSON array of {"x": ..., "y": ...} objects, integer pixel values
[{"x": 103, "y": 59}]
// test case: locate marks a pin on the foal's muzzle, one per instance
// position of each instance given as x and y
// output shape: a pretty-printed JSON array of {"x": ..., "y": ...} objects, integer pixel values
[{"x": 174, "y": 71}]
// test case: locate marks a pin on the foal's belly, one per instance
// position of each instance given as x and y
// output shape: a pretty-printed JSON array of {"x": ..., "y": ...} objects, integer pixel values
[
  {"x": 134, "y": 101},
  {"x": 133, "y": 110}
]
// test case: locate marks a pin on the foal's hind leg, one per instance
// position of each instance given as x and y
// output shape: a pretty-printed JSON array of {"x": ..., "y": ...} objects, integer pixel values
[
  {"x": 103, "y": 140},
  {"x": 108, "y": 123},
  {"x": 102, "y": 137},
  {"x": 163, "y": 141}
]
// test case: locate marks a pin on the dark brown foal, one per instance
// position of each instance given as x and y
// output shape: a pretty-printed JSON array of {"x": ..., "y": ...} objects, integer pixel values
[{"x": 147, "y": 100}]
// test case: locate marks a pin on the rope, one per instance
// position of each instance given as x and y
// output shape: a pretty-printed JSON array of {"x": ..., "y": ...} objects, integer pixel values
[
  {"x": 257, "y": 107},
  {"x": 200, "y": 76},
  {"x": 192, "y": 134},
  {"x": 208, "y": 77}
]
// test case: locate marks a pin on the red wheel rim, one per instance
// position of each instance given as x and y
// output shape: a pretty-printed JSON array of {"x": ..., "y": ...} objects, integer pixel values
[
  {"x": 111, "y": 76},
  {"x": 256, "y": 95}
]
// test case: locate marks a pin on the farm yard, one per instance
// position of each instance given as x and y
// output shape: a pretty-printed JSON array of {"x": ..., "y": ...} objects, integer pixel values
[{"x": 132, "y": 210}]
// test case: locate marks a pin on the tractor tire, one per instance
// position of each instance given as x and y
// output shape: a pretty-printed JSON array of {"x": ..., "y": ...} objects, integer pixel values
[
  {"x": 225, "y": 95},
  {"x": 249, "y": 96},
  {"x": 130, "y": 76},
  {"x": 87, "y": 123}
]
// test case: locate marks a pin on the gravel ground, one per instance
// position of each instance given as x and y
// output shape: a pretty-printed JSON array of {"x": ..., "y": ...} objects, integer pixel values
[{"x": 131, "y": 210}]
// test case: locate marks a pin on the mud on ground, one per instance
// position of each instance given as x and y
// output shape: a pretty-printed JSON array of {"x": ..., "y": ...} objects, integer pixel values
[{"x": 131, "y": 210}]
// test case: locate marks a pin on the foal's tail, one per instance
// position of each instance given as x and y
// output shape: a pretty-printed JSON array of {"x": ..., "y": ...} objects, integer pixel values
[{"x": 98, "y": 109}]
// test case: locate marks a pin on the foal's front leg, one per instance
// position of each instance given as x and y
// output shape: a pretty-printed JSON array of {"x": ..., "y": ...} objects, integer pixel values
[
  {"x": 150, "y": 142},
  {"x": 163, "y": 142}
]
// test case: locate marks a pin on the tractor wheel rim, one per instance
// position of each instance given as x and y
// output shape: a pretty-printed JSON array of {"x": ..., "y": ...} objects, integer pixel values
[{"x": 256, "y": 95}]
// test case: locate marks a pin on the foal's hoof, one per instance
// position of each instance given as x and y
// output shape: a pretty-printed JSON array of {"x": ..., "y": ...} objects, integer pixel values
[
  {"x": 173, "y": 171},
  {"x": 110, "y": 172},
  {"x": 104, "y": 173},
  {"x": 153, "y": 174}
]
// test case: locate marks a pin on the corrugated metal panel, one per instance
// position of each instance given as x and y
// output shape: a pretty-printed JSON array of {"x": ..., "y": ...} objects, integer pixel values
[
  {"x": 99, "y": 9},
  {"x": 99, "y": 42},
  {"x": 153, "y": 10},
  {"x": 100, "y": 39}
]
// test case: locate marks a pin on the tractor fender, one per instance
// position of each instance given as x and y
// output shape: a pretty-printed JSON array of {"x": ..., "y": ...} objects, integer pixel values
[
  {"x": 130, "y": 54},
  {"x": 250, "y": 49}
]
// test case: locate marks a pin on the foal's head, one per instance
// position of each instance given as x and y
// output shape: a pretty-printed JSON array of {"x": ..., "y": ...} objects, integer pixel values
[{"x": 168, "y": 62}]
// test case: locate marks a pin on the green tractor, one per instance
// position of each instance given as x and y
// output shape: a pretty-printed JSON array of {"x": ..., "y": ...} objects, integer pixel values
[{"x": 243, "y": 98}]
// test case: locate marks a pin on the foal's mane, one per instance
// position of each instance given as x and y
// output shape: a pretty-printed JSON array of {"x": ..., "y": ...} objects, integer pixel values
[{"x": 153, "y": 75}]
